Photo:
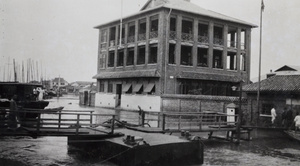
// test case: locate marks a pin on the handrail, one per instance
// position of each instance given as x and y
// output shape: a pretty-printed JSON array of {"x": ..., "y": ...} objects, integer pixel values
[{"x": 79, "y": 119}]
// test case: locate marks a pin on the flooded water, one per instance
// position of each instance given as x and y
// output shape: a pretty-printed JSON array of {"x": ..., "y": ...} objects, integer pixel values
[{"x": 266, "y": 148}]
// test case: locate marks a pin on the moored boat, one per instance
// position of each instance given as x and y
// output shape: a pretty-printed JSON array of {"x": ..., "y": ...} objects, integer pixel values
[
  {"x": 292, "y": 134},
  {"x": 23, "y": 94}
]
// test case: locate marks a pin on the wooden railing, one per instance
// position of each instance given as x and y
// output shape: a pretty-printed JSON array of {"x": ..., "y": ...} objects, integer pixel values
[
  {"x": 63, "y": 119},
  {"x": 177, "y": 121},
  {"x": 196, "y": 121}
]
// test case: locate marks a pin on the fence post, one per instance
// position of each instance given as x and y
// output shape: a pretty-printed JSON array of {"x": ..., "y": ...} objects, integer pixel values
[
  {"x": 113, "y": 124},
  {"x": 38, "y": 123},
  {"x": 143, "y": 118},
  {"x": 158, "y": 120},
  {"x": 59, "y": 120},
  {"x": 77, "y": 124},
  {"x": 200, "y": 125},
  {"x": 91, "y": 119},
  {"x": 179, "y": 124},
  {"x": 164, "y": 122}
]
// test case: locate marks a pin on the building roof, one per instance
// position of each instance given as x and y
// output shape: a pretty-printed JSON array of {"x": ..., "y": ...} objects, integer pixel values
[
  {"x": 185, "y": 6},
  {"x": 128, "y": 74},
  {"x": 277, "y": 84},
  {"x": 208, "y": 76},
  {"x": 289, "y": 68},
  {"x": 61, "y": 80}
]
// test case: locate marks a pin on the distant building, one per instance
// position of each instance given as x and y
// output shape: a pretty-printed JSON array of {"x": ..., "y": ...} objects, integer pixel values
[
  {"x": 59, "y": 82},
  {"x": 281, "y": 89},
  {"x": 170, "y": 47}
]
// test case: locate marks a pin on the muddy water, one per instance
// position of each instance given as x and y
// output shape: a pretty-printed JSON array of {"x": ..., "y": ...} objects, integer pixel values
[{"x": 267, "y": 148}]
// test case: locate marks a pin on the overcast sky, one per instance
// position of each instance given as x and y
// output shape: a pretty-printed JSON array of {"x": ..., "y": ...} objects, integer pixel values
[{"x": 59, "y": 34}]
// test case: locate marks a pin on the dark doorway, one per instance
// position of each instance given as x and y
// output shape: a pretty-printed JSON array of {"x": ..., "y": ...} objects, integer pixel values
[{"x": 119, "y": 94}]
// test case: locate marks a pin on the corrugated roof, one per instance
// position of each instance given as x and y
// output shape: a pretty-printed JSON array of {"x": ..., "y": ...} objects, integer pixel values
[
  {"x": 208, "y": 76},
  {"x": 277, "y": 83},
  {"x": 128, "y": 74},
  {"x": 186, "y": 6}
]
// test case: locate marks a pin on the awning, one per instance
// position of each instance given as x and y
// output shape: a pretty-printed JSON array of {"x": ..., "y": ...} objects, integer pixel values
[
  {"x": 208, "y": 76},
  {"x": 127, "y": 74},
  {"x": 137, "y": 87},
  {"x": 149, "y": 87},
  {"x": 126, "y": 88}
]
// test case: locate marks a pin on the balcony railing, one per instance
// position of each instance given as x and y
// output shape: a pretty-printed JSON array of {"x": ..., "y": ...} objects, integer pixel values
[
  {"x": 153, "y": 34},
  {"x": 103, "y": 45},
  {"x": 112, "y": 43},
  {"x": 130, "y": 39},
  {"x": 172, "y": 35},
  {"x": 234, "y": 44},
  {"x": 122, "y": 41},
  {"x": 187, "y": 37},
  {"x": 203, "y": 39},
  {"x": 142, "y": 37},
  {"x": 218, "y": 41}
]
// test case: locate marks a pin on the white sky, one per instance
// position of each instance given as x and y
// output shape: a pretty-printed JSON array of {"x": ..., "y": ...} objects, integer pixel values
[{"x": 59, "y": 34}]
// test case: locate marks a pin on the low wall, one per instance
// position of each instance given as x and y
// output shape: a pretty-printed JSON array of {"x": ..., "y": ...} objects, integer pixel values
[
  {"x": 146, "y": 102},
  {"x": 199, "y": 103},
  {"x": 106, "y": 100}
]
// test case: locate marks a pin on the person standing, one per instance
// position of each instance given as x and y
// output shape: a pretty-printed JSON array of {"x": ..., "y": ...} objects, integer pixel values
[
  {"x": 41, "y": 94},
  {"x": 297, "y": 122},
  {"x": 289, "y": 118},
  {"x": 283, "y": 117},
  {"x": 273, "y": 114}
]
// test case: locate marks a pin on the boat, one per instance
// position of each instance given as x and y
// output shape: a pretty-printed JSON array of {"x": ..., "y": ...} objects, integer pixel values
[
  {"x": 24, "y": 97},
  {"x": 292, "y": 134}
]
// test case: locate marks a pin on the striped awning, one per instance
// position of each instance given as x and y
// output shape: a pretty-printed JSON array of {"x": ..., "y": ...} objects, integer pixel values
[
  {"x": 137, "y": 87},
  {"x": 149, "y": 87},
  {"x": 126, "y": 88}
]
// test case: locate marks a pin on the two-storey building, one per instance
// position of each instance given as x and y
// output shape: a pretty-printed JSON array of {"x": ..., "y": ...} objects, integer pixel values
[{"x": 170, "y": 47}]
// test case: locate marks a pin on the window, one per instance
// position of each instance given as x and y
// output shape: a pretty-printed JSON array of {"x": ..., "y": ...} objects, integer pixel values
[
  {"x": 243, "y": 62},
  {"x": 120, "y": 58},
  {"x": 243, "y": 39},
  {"x": 142, "y": 30},
  {"x": 153, "y": 54},
  {"x": 217, "y": 59},
  {"x": 111, "y": 59},
  {"x": 103, "y": 38},
  {"x": 130, "y": 56},
  {"x": 131, "y": 32},
  {"x": 173, "y": 24},
  {"x": 187, "y": 30},
  {"x": 141, "y": 55},
  {"x": 102, "y": 61},
  {"x": 186, "y": 56},
  {"x": 101, "y": 87},
  {"x": 232, "y": 37},
  {"x": 231, "y": 61},
  {"x": 172, "y": 53},
  {"x": 203, "y": 33},
  {"x": 173, "y": 28},
  {"x": 123, "y": 34},
  {"x": 266, "y": 109},
  {"x": 112, "y": 36},
  {"x": 110, "y": 88},
  {"x": 218, "y": 35},
  {"x": 153, "y": 27},
  {"x": 202, "y": 57}
]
